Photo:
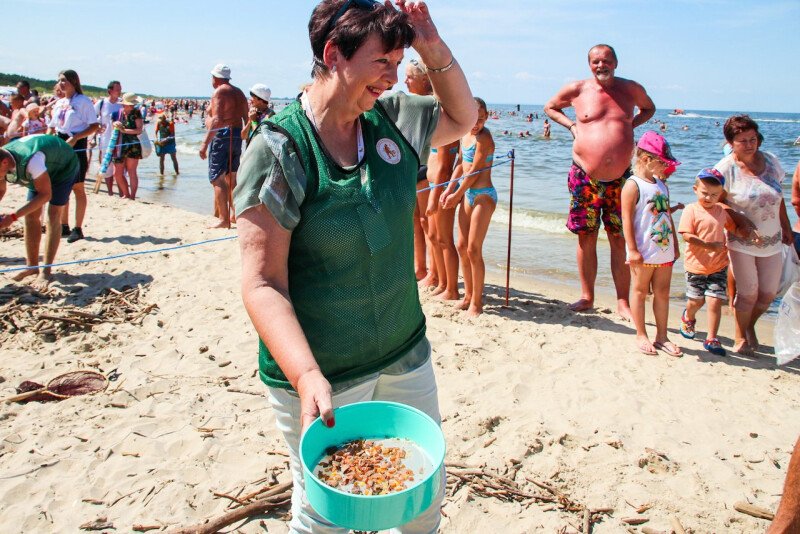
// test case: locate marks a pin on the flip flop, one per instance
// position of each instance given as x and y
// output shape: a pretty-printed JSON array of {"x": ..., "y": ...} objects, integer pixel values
[
  {"x": 669, "y": 347},
  {"x": 644, "y": 348}
]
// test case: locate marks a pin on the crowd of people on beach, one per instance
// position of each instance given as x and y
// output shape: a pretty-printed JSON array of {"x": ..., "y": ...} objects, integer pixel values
[{"x": 327, "y": 211}]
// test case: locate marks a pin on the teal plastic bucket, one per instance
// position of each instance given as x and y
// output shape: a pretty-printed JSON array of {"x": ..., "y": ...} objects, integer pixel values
[{"x": 373, "y": 420}]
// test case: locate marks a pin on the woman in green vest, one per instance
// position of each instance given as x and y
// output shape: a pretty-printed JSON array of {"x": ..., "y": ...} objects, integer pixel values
[
  {"x": 325, "y": 207},
  {"x": 48, "y": 166}
]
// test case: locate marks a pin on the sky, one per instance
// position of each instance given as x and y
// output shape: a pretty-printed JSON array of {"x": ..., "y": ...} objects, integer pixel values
[{"x": 693, "y": 54}]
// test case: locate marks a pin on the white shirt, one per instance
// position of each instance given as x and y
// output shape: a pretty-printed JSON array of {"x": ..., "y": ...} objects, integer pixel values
[
  {"x": 73, "y": 115},
  {"x": 36, "y": 166},
  {"x": 651, "y": 222},
  {"x": 759, "y": 199},
  {"x": 106, "y": 110}
]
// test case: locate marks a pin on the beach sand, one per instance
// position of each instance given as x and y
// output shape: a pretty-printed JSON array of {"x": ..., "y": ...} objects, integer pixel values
[{"x": 533, "y": 391}]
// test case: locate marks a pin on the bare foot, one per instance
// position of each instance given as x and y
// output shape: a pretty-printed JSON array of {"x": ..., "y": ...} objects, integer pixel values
[
  {"x": 581, "y": 305},
  {"x": 420, "y": 275},
  {"x": 438, "y": 290},
  {"x": 464, "y": 304},
  {"x": 221, "y": 224},
  {"x": 22, "y": 275},
  {"x": 42, "y": 281},
  {"x": 428, "y": 281},
  {"x": 742, "y": 347},
  {"x": 448, "y": 295},
  {"x": 752, "y": 338},
  {"x": 474, "y": 310},
  {"x": 624, "y": 310}
]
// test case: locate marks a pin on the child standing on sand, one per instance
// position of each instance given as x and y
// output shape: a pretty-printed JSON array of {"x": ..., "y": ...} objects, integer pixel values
[
  {"x": 475, "y": 155},
  {"x": 650, "y": 238},
  {"x": 702, "y": 227}
]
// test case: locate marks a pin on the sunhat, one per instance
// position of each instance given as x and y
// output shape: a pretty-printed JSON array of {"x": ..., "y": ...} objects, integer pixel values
[
  {"x": 130, "y": 99},
  {"x": 261, "y": 91},
  {"x": 221, "y": 71},
  {"x": 711, "y": 174},
  {"x": 33, "y": 107},
  {"x": 655, "y": 143}
]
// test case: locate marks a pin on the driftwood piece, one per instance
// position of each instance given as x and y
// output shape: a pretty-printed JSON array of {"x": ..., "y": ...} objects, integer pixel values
[
  {"x": 587, "y": 521},
  {"x": 145, "y": 528},
  {"x": 256, "y": 508},
  {"x": 754, "y": 511},
  {"x": 634, "y": 520},
  {"x": 676, "y": 526}
]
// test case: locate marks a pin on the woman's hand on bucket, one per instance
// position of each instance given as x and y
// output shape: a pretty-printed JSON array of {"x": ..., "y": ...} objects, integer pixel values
[{"x": 315, "y": 399}]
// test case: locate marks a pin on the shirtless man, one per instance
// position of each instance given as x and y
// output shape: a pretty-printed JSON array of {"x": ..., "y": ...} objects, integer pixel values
[
  {"x": 226, "y": 116},
  {"x": 602, "y": 151}
]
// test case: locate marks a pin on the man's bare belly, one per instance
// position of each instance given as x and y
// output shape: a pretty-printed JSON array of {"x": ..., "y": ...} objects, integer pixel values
[{"x": 603, "y": 149}]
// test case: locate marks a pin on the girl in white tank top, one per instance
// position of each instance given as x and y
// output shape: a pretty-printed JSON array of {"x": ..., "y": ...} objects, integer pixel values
[{"x": 651, "y": 246}]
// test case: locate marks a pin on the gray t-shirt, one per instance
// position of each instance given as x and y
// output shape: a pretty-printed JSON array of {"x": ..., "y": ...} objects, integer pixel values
[{"x": 271, "y": 173}]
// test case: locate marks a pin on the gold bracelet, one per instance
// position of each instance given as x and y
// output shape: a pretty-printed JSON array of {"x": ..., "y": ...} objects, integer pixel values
[{"x": 446, "y": 67}]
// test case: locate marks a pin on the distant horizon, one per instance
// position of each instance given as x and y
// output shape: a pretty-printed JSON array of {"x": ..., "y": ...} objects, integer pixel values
[{"x": 710, "y": 55}]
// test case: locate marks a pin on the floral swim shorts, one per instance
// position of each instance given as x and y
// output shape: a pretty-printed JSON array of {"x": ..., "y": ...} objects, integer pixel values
[{"x": 593, "y": 201}]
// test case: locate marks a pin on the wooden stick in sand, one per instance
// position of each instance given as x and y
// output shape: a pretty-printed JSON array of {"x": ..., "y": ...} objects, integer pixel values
[
  {"x": 754, "y": 511},
  {"x": 256, "y": 508}
]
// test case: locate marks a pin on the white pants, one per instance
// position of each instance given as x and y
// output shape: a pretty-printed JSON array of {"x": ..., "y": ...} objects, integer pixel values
[{"x": 416, "y": 388}]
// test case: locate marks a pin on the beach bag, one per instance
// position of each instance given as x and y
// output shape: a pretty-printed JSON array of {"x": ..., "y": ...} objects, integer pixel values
[
  {"x": 791, "y": 269},
  {"x": 147, "y": 146},
  {"x": 787, "y": 327}
]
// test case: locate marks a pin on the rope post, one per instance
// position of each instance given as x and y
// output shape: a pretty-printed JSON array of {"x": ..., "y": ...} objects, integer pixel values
[{"x": 510, "y": 213}]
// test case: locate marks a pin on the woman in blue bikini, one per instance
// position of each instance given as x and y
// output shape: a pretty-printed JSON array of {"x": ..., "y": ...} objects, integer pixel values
[{"x": 477, "y": 152}]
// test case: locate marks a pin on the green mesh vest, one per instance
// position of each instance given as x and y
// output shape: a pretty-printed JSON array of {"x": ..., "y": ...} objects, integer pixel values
[
  {"x": 351, "y": 271},
  {"x": 60, "y": 158}
]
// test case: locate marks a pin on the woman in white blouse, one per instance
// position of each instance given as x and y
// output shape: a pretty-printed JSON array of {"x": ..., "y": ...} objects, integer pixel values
[
  {"x": 74, "y": 120},
  {"x": 753, "y": 190}
]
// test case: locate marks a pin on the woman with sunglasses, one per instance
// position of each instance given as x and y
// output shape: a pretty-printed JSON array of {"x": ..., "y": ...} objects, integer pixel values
[
  {"x": 325, "y": 207},
  {"x": 753, "y": 191}
]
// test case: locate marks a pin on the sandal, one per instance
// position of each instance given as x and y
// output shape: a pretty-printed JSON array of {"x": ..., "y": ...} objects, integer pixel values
[
  {"x": 714, "y": 347},
  {"x": 646, "y": 348},
  {"x": 669, "y": 347},
  {"x": 687, "y": 326}
]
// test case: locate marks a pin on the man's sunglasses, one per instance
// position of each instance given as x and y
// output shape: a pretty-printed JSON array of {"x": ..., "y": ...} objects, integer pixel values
[{"x": 363, "y": 4}]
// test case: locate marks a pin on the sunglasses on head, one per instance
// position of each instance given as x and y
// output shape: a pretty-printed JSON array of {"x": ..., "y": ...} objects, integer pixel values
[{"x": 362, "y": 4}]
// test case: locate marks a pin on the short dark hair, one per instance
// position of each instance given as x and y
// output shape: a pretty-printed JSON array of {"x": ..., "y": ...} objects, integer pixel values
[
  {"x": 5, "y": 154},
  {"x": 738, "y": 124},
  {"x": 481, "y": 104},
  {"x": 111, "y": 84},
  {"x": 354, "y": 27},
  {"x": 24, "y": 83},
  {"x": 601, "y": 45}
]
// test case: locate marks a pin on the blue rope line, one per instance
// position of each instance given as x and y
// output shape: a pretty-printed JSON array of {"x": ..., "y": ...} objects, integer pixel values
[
  {"x": 434, "y": 186},
  {"x": 118, "y": 256},
  {"x": 196, "y": 132}
]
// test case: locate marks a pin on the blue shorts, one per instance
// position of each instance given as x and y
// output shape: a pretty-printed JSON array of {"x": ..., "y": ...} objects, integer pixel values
[
  {"x": 797, "y": 242},
  {"x": 224, "y": 152},
  {"x": 166, "y": 148},
  {"x": 60, "y": 192}
]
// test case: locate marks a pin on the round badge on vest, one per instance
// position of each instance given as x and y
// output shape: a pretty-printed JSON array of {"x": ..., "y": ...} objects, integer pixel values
[{"x": 388, "y": 151}]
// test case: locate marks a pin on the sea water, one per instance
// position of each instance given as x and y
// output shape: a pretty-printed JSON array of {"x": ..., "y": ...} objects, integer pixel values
[{"x": 542, "y": 247}]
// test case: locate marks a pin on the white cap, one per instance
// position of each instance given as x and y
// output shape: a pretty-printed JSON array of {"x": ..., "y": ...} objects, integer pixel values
[
  {"x": 261, "y": 91},
  {"x": 221, "y": 71}
]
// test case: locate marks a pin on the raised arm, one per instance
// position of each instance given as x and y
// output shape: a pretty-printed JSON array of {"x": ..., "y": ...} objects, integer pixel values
[
  {"x": 264, "y": 246},
  {"x": 459, "y": 110},
  {"x": 642, "y": 101},
  {"x": 563, "y": 99}
]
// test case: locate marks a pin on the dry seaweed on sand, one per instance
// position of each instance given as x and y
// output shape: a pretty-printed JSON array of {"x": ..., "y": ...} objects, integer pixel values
[{"x": 45, "y": 315}]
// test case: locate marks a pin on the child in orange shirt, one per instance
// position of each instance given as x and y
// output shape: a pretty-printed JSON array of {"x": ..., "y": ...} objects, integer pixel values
[{"x": 702, "y": 226}]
